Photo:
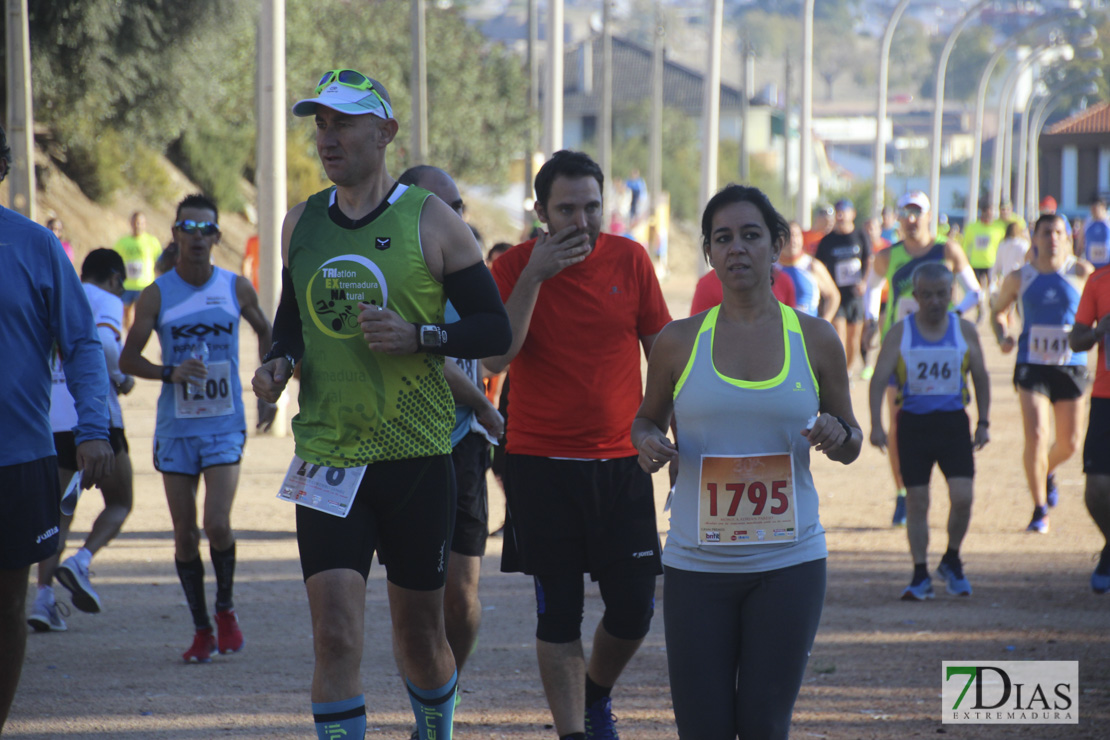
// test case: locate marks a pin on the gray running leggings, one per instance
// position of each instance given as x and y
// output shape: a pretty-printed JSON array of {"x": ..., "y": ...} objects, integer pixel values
[{"x": 737, "y": 646}]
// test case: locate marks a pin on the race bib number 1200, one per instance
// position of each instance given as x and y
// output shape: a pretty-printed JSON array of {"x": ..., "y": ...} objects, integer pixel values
[
  {"x": 747, "y": 500},
  {"x": 330, "y": 490}
]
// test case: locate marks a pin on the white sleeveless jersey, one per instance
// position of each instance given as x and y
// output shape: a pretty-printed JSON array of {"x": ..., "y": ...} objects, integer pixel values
[{"x": 107, "y": 311}]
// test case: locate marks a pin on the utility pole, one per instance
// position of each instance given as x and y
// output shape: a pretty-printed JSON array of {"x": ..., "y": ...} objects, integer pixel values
[
  {"x": 711, "y": 111},
  {"x": 533, "y": 105},
  {"x": 805, "y": 133},
  {"x": 21, "y": 120},
  {"x": 418, "y": 86},
  {"x": 605, "y": 135},
  {"x": 553, "y": 91},
  {"x": 745, "y": 109},
  {"x": 655, "y": 143},
  {"x": 786, "y": 128},
  {"x": 271, "y": 150}
]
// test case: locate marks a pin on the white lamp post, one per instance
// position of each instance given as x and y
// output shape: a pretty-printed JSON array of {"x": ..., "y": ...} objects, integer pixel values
[
  {"x": 879, "y": 196},
  {"x": 938, "y": 107}
]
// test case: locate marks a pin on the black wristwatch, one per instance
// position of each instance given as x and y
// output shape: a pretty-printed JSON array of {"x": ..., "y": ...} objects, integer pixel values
[
  {"x": 430, "y": 336},
  {"x": 167, "y": 373}
]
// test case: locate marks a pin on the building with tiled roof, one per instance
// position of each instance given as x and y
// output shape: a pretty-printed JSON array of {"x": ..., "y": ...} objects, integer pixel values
[{"x": 1074, "y": 162}]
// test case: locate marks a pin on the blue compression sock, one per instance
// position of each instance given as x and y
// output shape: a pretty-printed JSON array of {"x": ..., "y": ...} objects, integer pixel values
[
  {"x": 340, "y": 720},
  {"x": 434, "y": 709}
]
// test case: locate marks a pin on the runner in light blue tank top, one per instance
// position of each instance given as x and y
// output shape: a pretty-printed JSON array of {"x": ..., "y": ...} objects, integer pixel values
[
  {"x": 707, "y": 407},
  {"x": 191, "y": 315},
  {"x": 752, "y": 386},
  {"x": 201, "y": 428}
]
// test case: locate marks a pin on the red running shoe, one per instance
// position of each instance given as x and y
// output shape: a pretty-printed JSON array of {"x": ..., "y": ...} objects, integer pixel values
[
  {"x": 231, "y": 638},
  {"x": 204, "y": 647}
]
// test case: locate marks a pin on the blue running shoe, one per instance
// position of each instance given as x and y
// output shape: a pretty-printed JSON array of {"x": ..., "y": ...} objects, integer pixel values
[
  {"x": 600, "y": 722},
  {"x": 1039, "y": 525},
  {"x": 899, "y": 519},
  {"x": 954, "y": 581},
  {"x": 919, "y": 592},
  {"x": 1053, "y": 491},
  {"x": 1100, "y": 579}
]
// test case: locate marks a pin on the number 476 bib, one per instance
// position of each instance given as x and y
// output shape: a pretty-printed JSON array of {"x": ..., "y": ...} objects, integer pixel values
[
  {"x": 747, "y": 500},
  {"x": 330, "y": 490}
]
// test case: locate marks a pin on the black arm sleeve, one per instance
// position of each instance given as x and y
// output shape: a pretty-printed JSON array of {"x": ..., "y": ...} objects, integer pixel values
[
  {"x": 483, "y": 328},
  {"x": 288, "y": 339}
]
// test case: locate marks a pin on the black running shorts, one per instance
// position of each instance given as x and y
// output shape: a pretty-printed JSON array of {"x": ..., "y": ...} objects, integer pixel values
[
  {"x": 404, "y": 509},
  {"x": 65, "y": 446},
  {"x": 1058, "y": 382},
  {"x": 940, "y": 437},
  {"x": 578, "y": 516},
  {"x": 1096, "y": 447},
  {"x": 29, "y": 498},
  {"x": 471, "y": 460}
]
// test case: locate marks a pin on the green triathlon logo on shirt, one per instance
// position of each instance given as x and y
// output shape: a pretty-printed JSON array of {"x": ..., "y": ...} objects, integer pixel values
[{"x": 337, "y": 287}]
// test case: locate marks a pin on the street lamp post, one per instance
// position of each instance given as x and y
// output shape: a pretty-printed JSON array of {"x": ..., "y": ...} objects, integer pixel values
[
  {"x": 1044, "y": 109},
  {"x": 1004, "y": 123},
  {"x": 938, "y": 107},
  {"x": 805, "y": 132},
  {"x": 1008, "y": 117},
  {"x": 879, "y": 196},
  {"x": 980, "y": 106}
]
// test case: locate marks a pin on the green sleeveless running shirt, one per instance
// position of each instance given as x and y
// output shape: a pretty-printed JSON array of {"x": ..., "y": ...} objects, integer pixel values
[
  {"x": 899, "y": 276},
  {"x": 358, "y": 406}
]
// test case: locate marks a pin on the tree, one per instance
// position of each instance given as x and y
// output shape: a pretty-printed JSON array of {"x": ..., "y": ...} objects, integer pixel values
[
  {"x": 140, "y": 70},
  {"x": 477, "y": 92}
]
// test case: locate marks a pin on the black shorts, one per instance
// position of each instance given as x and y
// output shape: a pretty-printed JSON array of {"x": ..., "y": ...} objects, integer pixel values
[
  {"x": 578, "y": 516},
  {"x": 29, "y": 498},
  {"x": 1058, "y": 382},
  {"x": 65, "y": 446},
  {"x": 471, "y": 460},
  {"x": 942, "y": 437},
  {"x": 1096, "y": 447},
  {"x": 982, "y": 274},
  {"x": 404, "y": 509},
  {"x": 851, "y": 307}
]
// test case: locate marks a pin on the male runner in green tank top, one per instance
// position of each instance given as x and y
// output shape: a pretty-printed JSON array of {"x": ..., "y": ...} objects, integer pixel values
[{"x": 369, "y": 265}]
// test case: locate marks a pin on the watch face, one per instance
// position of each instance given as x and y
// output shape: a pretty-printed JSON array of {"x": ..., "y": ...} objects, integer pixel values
[{"x": 429, "y": 336}]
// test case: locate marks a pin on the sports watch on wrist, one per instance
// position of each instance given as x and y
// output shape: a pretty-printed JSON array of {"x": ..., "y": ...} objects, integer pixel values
[{"x": 431, "y": 336}]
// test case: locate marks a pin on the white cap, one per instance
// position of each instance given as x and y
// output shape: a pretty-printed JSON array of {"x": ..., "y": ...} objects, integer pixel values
[{"x": 914, "y": 198}]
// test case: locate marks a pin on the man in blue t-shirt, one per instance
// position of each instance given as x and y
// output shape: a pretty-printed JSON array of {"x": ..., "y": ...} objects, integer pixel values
[{"x": 42, "y": 304}]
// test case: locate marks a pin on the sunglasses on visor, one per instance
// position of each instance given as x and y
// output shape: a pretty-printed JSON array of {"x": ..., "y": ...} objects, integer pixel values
[{"x": 355, "y": 80}]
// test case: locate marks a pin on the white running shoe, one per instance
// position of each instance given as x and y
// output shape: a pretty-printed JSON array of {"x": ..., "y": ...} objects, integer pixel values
[{"x": 75, "y": 577}]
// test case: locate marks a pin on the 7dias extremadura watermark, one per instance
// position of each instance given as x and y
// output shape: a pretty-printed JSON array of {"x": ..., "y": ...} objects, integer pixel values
[{"x": 1010, "y": 692}]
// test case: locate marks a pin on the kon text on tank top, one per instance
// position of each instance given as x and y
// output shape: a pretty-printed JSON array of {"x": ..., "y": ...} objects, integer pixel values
[{"x": 191, "y": 314}]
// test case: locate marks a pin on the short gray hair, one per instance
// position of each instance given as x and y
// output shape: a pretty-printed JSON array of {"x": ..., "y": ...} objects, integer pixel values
[{"x": 932, "y": 271}]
